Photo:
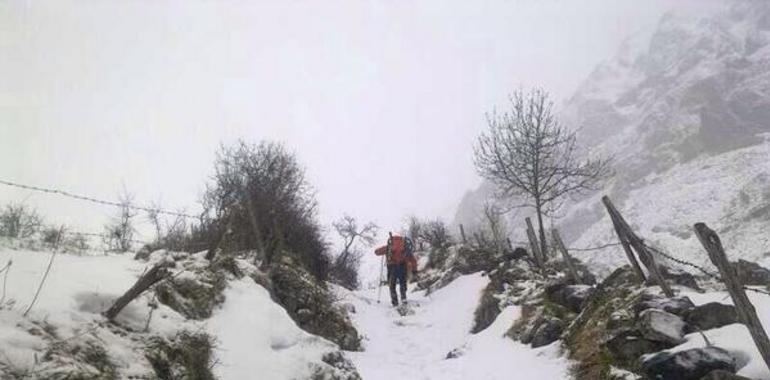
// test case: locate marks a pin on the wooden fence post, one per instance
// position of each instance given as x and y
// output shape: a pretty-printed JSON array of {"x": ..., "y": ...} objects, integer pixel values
[
  {"x": 152, "y": 277},
  {"x": 534, "y": 244},
  {"x": 745, "y": 310},
  {"x": 567, "y": 259},
  {"x": 462, "y": 234},
  {"x": 629, "y": 253},
  {"x": 626, "y": 232}
]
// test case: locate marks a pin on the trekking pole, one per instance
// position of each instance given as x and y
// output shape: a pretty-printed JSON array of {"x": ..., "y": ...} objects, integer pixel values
[{"x": 379, "y": 284}]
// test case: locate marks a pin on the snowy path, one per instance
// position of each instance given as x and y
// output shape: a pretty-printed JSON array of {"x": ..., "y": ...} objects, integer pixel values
[{"x": 416, "y": 346}]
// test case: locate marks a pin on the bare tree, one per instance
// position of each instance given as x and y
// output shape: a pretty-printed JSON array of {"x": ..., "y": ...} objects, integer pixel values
[
  {"x": 119, "y": 233},
  {"x": 19, "y": 221},
  {"x": 348, "y": 229},
  {"x": 495, "y": 223},
  {"x": 345, "y": 267},
  {"x": 436, "y": 233},
  {"x": 526, "y": 152},
  {"x": 414, "y": 229}
]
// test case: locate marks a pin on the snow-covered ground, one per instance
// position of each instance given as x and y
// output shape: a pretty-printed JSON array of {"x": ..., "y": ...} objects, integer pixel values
[
  {"x": 255, "y": 337},
  {"x": 416, "y": 346},
  {"x": 728, "y": 192},
  {"x": 76, "y": 291}
]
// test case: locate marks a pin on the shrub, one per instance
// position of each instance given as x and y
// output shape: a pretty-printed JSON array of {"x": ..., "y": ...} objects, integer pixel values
[
  {"x": 119, "y": 232},
  {"x": 436, "y": 234},
  {"x": 344, "y": 269},
  {"x": 19, "y": 221},
  {"x": 259, "y": 199},
  {"x": 188, "y": 355}
]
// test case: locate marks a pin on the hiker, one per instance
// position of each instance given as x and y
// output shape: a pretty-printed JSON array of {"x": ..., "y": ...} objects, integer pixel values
[{"x": 400, "y": 259}]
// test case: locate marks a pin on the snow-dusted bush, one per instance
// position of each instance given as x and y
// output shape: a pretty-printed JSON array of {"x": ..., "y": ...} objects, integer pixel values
[
  {"x": 187, "y": 355},
  {"x": 19, "y": 221},
  {"x": 436, "y": 234},
  {"x": 260, "y": 201}
]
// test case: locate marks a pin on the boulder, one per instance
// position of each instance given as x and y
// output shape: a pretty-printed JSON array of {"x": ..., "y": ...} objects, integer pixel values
[
  {"x": 487, "y": 310},
  {"x": 675, "y": 305},
  {"x": 517, "y": 254},
  {"x": 472, "y": 260},
  {"x": 620, "y": 319},
  {"x": 660, "y": 326},
  {"x": 710, "y": 316},
  {"x": 547, "y": 332},
  {"x": 573, "y": 297},
  {"x": 626, "y": 346},
  {"x": 679, "y": 277},
  {"x": 751, "y": 273},
  {"x": 692, "y": 364},
  {"x": 622, "y": 276},
  {"x": 721, "y": 374}
]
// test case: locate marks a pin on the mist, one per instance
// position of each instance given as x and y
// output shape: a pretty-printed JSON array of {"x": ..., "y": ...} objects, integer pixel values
[{"x": 380, "y": 101}]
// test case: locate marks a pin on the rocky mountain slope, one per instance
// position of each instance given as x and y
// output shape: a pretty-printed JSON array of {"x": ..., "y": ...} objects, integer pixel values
[{"x": 684, "y": 112}]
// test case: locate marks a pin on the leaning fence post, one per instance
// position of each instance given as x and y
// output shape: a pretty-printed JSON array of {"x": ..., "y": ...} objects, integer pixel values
[
  {"x": 625, "y": 231},
  {"x": 462, "y": 234},
  {"x": 567, "y": 259},
  {"x": 153, "y": 276},
  {"x": 745, "y": 310},
  {"x": 534, "y": 244}
]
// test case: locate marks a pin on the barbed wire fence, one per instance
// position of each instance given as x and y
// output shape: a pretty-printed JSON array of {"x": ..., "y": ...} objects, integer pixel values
[
  {"x": 58, "y": 235},
  {"x": 97, "y": 201}
]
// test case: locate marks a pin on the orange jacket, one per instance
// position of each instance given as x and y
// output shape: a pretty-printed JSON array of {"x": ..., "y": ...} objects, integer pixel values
[{"x": 397, "y": 254}]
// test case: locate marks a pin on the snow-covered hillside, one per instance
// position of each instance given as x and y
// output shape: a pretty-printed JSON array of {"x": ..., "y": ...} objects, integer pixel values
[
  {"x": 65, "y": 334},
  {"x": 684, "y": 110}
]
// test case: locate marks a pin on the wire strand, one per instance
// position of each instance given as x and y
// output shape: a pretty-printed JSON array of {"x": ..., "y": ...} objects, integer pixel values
[{"x": 95, "y": 200}]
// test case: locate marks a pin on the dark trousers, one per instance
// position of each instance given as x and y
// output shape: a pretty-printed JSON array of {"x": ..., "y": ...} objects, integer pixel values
[{"x": 397, "y": 273}]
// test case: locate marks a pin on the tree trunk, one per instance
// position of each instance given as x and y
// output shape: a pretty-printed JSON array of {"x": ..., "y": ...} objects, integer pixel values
[
  {"x": 543, "y": 245},
  {"x": 534, "y": 244},
  {"x": 255, "y": 229},
  {"x": 462, "y": 234}
]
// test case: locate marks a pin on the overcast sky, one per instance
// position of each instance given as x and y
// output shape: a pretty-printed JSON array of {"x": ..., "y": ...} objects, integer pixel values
[{"x": 381, "y": 100}]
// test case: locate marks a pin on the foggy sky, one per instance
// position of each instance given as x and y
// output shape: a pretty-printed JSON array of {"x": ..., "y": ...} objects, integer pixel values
[{"x": 381, "y": 100}]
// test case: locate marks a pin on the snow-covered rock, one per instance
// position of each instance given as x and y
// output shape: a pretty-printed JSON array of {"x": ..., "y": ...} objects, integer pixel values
[
  {"x": 709, "y": 316},
  {"x": 675, "y": 305},
  {"x": 660, "y": 326},
  {"x": 691, "y": 364}
]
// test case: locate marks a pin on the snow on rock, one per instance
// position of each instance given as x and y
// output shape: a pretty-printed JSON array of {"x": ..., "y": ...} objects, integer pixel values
[
  {"x": 691, "y": 364},
  {"x": 660, "y": 326}
]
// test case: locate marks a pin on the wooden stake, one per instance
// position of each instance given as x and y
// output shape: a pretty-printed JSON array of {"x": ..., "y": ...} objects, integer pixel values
[
  {"x": 745, "y": 310},
  {"x": 647, "y": 259},
  {"x": 152, "y": 277},
  {"x": 534, "y": 244},
  {"x": 567, "y": 259},
  {"x": 629, "y": 253},
  {"x": 462, "y": 234}
]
